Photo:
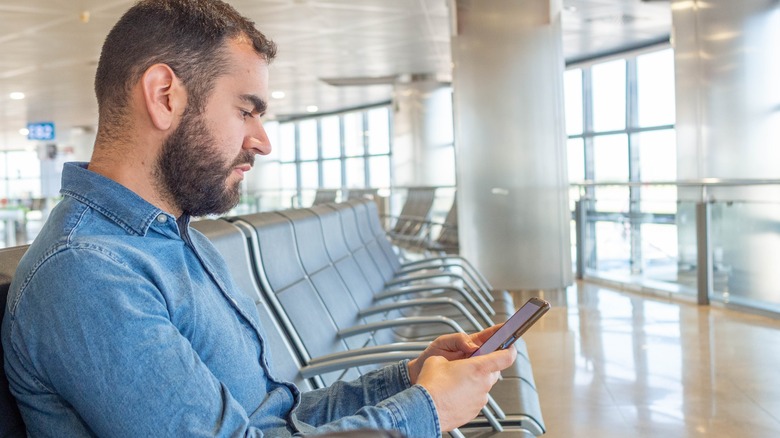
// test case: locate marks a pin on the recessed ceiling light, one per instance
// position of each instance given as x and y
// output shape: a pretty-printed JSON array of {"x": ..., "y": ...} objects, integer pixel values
[
  {"x": 24, "y": 131},
  {"x": 16, "y": 95},
  {"x": 278, "y": 94},
  {"x": 312, "y": 108}
]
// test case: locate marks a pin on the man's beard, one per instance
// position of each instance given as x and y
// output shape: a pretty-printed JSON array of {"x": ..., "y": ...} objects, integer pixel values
[{"x": 190, "y": 172}]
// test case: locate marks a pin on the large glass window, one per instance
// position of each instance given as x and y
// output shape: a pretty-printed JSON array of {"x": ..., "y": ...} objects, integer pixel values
[
  {"x": 331, "y": 137},
  {"x": 307, "y": 140},
  {"x": 331, "y": 174},
  {"x": 287, "y": 142},
  {"x": 620, "y": 123},
  {"x": 572, "y": 87},
  {"x": 655, "y": 88},
  {"x": 353, "y": 134},
  {"x": 378, "y": 131},
  {"x": 610, "y": 154},
  {"x": 346, "y": 150},
  {"x": 609, "y": 96},
  {"x": 21, "y": 172}
]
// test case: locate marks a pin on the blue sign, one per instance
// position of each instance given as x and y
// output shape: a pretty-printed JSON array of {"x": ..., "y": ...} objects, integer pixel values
[{"x": 40, "y": 131}]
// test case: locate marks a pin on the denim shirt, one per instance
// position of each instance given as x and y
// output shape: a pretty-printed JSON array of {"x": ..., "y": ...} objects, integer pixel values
[{"x": 123, "y": 321}]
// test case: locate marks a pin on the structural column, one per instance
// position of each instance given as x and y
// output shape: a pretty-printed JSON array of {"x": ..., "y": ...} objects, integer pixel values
[
  {"x": 422, "y": 132},
  {"x": 728, "y": 127},
  {"x": 510, "y": 141}
]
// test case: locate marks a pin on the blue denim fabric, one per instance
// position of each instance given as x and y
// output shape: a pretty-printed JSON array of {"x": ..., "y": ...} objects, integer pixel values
[{"x": 123, "y": 321}]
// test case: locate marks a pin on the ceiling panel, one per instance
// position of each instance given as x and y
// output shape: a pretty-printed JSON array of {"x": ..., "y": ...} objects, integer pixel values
[{"x": 49, "y": 49}]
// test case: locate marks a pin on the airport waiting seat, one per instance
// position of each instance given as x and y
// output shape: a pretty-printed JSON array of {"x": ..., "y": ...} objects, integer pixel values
[
  {"x": 324, "y": 196},
  {"x": 441, "y": 238},
  {"x": 357, "y": 232},
  {"x": 402, "y": 269},
  {"x": 333, "y": 255},
  {"x": 228, "y": 241},
  {"x": 408, "y": 226},
  {"x": 324, "y": 325},
  {"x": 11, "y": 423},
  {"x": 362, "y": 193}
]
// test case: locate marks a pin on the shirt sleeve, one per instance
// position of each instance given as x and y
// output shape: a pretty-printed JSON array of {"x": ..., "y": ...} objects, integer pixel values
[
  {"x": 381, "y": 399},
  {"x": 100, "y": 339}
]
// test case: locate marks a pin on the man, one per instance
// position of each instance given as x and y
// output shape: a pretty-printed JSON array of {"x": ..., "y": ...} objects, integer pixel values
[{"x": 122, "y": 321}]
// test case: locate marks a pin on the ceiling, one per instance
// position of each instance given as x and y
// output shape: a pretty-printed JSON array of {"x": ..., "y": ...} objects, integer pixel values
[{"x": 49, "y": 49}]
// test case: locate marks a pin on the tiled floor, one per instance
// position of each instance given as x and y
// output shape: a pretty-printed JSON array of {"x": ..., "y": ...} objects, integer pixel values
[{"x": 610, "y": 364}]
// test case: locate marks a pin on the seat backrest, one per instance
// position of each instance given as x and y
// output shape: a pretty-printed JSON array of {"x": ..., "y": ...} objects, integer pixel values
[
  {"x": 341, "y": 305},
  {"x": 449, "y": 232},
  {"x": 11, "y": 424},
  {"x": 416, "y": 210},
  {"x": 233, "y": 245},
  {"x": 323, "y": 196},
  {"x": 380, "y": 233},
  {"x": 289, "y": 289},
  {"x": 387, "y": 265},
  {"x": 357, "y": 248}
]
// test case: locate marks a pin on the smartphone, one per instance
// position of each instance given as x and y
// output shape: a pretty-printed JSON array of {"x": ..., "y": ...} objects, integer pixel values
[{"x": 515, "y": 326}]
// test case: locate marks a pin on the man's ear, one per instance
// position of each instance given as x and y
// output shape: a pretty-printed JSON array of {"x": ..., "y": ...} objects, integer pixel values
[{"x": 164, "y": 96}]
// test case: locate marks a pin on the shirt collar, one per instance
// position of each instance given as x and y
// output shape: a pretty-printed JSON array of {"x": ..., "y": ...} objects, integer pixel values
[{"x": 115, "y": 201}]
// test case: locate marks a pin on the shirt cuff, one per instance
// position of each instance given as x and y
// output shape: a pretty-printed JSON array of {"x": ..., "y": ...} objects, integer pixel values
[
  {"x": 415, "y": 413},
  {"x": 404, "y": 370}
]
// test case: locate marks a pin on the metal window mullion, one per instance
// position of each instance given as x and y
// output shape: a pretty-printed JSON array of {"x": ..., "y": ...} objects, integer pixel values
[
  {"x": 587, "y": 143},
  {"x": 634, "y": 174},
  {"x": 342, "y": 155},
  {"x": 320, "y": 166},
  {"x": 366, "y": 156},
  {"x": 298, "y": 178}
]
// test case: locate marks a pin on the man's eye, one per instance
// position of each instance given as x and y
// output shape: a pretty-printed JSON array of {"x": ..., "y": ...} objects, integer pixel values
[{"x": 245, "y": 114}]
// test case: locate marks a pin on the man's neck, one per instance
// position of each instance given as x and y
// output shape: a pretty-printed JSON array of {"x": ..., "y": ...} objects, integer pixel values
[{"x": 132, "y": 167}]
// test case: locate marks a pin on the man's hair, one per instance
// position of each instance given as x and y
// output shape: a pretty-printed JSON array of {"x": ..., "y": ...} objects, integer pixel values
[{"x": 187, "y": 35}]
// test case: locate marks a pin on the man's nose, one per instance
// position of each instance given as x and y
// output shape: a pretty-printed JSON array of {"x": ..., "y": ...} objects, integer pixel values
[{"x": 257, "y": 139}]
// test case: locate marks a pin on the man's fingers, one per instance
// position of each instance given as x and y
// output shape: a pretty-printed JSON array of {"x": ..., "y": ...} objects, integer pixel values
[
  {"x": 457, "y": 342},
  {"x": 480, "y": 337},
  {"x": 497, "y": 360}
]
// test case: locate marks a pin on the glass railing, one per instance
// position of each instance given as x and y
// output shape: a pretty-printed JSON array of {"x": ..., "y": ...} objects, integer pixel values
[
  {"x": 650, "y": 236},
  {"x": 701, "y": 240}
]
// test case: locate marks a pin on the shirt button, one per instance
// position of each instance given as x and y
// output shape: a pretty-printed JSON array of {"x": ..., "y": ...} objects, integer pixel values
[{"x": 161, "y": 218}]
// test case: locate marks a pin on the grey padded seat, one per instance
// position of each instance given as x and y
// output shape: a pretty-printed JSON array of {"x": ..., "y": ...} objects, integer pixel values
[{"x": 293, "y": 254}]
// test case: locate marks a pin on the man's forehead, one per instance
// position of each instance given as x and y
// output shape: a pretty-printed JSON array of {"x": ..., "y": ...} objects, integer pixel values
[{"x": 247, "y": 67}]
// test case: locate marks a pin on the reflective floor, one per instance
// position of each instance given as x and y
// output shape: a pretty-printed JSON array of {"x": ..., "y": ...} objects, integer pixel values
[{"x": 611, "y": 364}]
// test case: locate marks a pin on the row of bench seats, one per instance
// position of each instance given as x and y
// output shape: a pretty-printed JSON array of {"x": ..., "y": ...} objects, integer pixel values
[{"x": 336, "y": 302}]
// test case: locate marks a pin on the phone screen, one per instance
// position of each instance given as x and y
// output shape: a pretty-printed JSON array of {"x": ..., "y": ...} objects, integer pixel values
[{"x": 515, "y": 326}]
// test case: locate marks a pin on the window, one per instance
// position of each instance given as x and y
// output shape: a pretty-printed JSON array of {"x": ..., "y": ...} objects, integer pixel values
[
  {"x": 353, "y": 134},
  {"x": 331, "y": 137},
  {"x": 20, "y": 173},
  {"x": 620, "y": 123},
  {"x": 655, "y": 88},
  {"x": 346, "y": 150},
  {"x": 609, "y": 96},
  {"x": 572, "y": 87},
  {"x": 307, "y": 140}
]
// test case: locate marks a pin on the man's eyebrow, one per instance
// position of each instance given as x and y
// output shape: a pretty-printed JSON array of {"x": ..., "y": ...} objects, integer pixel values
[{"x": 259, "y": 104}]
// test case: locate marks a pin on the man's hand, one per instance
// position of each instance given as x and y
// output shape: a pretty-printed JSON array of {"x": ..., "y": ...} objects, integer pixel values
[
  {"x": 452, "y": 347},
  {"x": 459, "y": 388}
]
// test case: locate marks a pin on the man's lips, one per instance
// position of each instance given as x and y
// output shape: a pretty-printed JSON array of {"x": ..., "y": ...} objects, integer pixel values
[{"x": 243, "y": 169}]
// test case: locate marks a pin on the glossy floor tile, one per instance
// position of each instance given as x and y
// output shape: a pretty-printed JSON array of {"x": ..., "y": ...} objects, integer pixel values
[{"x": 612, "y": 364}]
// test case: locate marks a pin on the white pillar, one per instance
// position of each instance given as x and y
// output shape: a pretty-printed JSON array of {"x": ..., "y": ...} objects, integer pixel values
[
  {"x": 510, "y": 142},
  {"x": 423, "y": 153},
  {"x": 727, "y": 73}
]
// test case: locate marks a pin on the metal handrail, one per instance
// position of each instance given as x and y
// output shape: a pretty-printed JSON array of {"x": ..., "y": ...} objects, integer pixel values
[
  {"x": 703, "y": 221},
  {"x": 704, "y": 182}
]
